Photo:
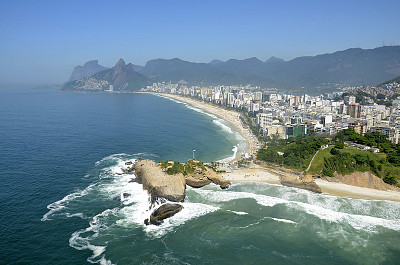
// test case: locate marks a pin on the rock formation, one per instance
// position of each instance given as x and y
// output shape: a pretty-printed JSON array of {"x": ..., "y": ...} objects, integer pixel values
[
  {"x": 167, "y": 182},
  {"x": 164, "y": 211},
  {"x": 158, "y": 183},
  {"x": 301, "y": 182},
  {"x": 197, "y": 181},
  {"x": 217, "y": 179}
]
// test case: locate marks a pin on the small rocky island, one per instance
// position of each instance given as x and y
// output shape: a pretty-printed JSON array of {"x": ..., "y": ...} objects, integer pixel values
[{"x": 166, "y": 182}]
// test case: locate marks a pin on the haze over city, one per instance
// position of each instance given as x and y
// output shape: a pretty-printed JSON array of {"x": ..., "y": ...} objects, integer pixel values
[{"x": 42, "y": 41}]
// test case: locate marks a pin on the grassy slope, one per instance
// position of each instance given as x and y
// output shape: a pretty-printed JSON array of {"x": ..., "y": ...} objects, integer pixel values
[{"x": 318, "y": 162}]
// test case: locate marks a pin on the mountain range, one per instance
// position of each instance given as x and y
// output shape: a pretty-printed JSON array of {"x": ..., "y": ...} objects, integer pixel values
[{"x": 352, "y": 67}]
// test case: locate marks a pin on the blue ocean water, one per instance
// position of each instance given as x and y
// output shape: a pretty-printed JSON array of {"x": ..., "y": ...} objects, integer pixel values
[{"x": 62, "y": 202}]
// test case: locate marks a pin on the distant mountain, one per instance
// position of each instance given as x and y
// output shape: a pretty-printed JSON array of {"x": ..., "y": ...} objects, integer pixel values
[
  {"x": 137, "y": 67},
  {"x": 88, "y": 69},
  {"x": 394, "y": 80},
  {"x": 273, "y": 59},
  {"x": 176, "y": 70},
  {"x": 214, "y": 62},
  {"x": 122, "y": 77},
  {"x": 349, "y": 67}
]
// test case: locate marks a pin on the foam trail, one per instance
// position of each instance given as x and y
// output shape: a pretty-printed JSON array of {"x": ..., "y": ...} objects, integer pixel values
[
  {"x": 283, "y": 220},
  {"x": 62, "y": 204},
  {"x": 81, "y": 243},
  {"x": 232, "y": 157},
  {"x": 357, "y": 221},
  {"x": 223, "y": 126},
  {"x": 238, "y": 213}
]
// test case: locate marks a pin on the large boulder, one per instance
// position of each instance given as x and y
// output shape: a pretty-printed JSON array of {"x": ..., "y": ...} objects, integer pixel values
[
  {"x": 164, "y": 211},
  {"x": 158, "y": 183}
]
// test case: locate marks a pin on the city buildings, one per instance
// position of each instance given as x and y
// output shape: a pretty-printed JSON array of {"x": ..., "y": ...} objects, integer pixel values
[{"x": 283, "y": 115}]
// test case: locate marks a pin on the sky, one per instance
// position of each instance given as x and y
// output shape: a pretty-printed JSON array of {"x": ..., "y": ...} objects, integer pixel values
[{"x": 42, "y": 41}]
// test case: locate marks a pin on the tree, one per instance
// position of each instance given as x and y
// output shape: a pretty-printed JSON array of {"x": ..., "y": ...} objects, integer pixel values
[
  {"x": 339, "y": 145},
  {"x": 334, "y": 151}
]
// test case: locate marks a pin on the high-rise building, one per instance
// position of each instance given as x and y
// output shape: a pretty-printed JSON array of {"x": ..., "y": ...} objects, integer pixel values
[
  {"x": 296, "y": 100},
  {"x": 354, "y": 110},
  {"x": 349, "y": 100}
]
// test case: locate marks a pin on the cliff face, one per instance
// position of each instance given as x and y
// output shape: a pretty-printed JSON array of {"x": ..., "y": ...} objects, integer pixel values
[{"x": 362, "y": 179}]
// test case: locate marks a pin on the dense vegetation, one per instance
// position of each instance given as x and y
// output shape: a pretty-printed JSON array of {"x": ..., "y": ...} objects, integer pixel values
[
  {"x": 349, "y": 160},
  {"x": 373, "y": 139},
  {"x": 295, "y": 152},
  {"x": 173, "y": 167}
]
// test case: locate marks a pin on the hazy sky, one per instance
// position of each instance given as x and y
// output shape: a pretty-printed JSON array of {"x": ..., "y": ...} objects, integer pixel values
[{"x": 41, "y": 41}]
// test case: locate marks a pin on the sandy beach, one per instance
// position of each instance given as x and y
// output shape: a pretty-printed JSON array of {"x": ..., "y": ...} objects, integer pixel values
[
  {"x": 230, "y": 116},
  {"x": 260, "y": 174},
  {"x": 331, "y": 188}
]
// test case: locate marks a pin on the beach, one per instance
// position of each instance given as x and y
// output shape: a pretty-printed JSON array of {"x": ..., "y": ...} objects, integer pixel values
[{"x": 229, "y": 116}]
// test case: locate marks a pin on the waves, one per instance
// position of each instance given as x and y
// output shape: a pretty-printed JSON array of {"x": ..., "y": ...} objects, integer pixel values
[
  {"x": 123, "y": 204},
  {"x": 233, "y": 156},
  {"x": 326, "y": 212},
  {"x": 223, "y": 125},
  {"x": 116, "y": 206}
]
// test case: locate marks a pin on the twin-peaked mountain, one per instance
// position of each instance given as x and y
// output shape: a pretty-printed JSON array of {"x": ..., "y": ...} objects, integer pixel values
[
  {"x": 121, "y": 77},
  {"x": 349, "y": 67}
]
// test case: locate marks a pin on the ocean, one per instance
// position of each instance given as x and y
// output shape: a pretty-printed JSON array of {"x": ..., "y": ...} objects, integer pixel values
[{"x": 62, "y": 201}]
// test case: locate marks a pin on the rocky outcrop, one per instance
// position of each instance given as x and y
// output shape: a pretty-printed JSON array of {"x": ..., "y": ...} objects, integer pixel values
[
  {"x": 361, "y": 179},
  {"x": 301, "y": 182},
  {"x": 158, "y": 183},
  {"x": 171, "y": 187},
  {"x": 197, "y": 181},
  {"x": 217, "y": 179},
  {"x": 164, "y": 211}
]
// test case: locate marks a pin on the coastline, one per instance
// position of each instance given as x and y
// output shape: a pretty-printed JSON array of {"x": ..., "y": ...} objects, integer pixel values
[
  {"x": 262, "y": 175},
  {"x": 230, "y": 116},
  {"x": 258, "y": 174}
]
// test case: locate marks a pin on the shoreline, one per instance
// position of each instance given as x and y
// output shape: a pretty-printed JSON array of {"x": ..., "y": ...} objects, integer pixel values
[
  {"x": 258, "y": 174},
  {"x": 229, "y": 116},
  {"x": 262, "y": 175}
]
